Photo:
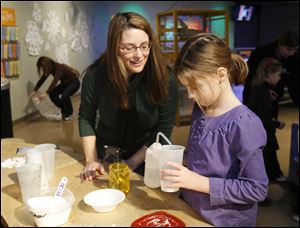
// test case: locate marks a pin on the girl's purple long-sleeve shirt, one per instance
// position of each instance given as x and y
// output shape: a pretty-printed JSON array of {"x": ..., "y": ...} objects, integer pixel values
[{"x": 228, "y": 149}]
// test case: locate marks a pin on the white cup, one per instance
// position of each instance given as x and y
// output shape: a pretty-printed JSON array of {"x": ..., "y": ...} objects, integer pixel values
[
  {"x": 29, "y": 176},
  {"x": 172, "y": 153},
  {"x": 48, "y": 152},
  {"x": 36, "y": 156}
]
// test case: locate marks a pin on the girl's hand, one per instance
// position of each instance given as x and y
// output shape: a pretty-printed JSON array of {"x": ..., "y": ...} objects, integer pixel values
[
  {"x": 89, "y": 171},
  {"x": 184, "y": 178}
]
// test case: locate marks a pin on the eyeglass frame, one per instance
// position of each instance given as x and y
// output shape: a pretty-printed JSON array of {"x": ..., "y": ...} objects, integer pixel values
[{"x": 136, "y": 47}]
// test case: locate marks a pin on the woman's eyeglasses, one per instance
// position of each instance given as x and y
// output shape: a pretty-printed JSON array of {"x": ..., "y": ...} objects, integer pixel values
[{"x": 131, "y": 48}]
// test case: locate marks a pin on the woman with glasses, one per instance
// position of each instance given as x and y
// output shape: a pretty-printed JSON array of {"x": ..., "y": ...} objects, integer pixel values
[{"x": 134, "y": 93}]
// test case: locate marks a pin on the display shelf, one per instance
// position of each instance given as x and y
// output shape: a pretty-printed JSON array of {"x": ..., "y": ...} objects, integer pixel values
[
  {"x": 174, "y": 28},
  {"x": 10, "y": 46}
]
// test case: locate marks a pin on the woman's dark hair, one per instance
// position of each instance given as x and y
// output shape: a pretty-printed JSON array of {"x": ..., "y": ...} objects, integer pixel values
[
  {"x": 155, "y": 81},
  {"x": 289, "y": 38},
  {"x": 46, "y": 64}
]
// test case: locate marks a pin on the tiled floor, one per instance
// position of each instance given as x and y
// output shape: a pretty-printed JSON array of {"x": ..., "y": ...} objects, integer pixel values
[{"x": 65, "y": 133}]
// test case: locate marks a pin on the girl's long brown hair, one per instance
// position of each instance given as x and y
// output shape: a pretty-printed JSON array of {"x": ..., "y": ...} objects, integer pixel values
[
  {"x": 155, "y": 81},
  {"x": 239, "y": 70},
  {"x": 201, "y": 56}
]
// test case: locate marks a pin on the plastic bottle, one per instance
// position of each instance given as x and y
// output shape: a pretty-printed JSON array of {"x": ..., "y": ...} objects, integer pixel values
[
  {"x": 152, "y": 175},
  {"x": 119, "y": 174}
]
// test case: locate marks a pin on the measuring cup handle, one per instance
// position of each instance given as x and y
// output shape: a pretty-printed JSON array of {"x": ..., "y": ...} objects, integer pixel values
[{"x": 165, "y": 137}]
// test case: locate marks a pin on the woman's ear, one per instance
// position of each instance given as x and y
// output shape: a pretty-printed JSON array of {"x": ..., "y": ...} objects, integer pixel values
[{"x": 222, "y": 74}]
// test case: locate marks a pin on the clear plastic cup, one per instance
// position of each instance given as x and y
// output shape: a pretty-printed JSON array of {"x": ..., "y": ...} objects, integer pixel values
[
  {"x": 36, "y": 156},
  {"x": 29, "y": 176},
  {"x": 48, "y": 152},
  {"x": 172, "y": 153}
]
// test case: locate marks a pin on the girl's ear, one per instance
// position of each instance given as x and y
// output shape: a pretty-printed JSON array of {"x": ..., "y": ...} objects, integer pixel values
[{"x": 222, "y": 74}]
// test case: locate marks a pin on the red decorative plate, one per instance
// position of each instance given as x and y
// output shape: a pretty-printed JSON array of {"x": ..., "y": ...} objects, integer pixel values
[{"x": 158, "y": 219}]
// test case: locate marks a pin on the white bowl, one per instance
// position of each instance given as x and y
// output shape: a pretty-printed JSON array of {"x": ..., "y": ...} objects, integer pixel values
[
  {"x": 49, "y": 211},
  {"x": 104, "y": 200}
]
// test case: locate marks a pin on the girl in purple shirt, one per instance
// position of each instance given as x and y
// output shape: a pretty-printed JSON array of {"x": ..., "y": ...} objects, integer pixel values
[{"x": 225, "y": 175}]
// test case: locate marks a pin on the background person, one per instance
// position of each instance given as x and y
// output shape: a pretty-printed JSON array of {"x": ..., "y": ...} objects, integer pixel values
[
  {"x": 59, "y": 94},
  {"x": 260, "y": 101},
  {"x": 133, "y": 92},
  {"x": 285, "y": 50}
]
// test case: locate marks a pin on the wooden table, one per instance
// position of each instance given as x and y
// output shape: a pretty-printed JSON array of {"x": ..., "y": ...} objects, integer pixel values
[{"x": 140, "y": 201}]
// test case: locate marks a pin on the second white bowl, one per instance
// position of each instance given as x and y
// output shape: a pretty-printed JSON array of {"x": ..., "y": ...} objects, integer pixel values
[{"x": 104, "y": 200}]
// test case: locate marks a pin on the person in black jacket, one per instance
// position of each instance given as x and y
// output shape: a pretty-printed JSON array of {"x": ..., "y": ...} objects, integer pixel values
[
  {"x": 285, "y": 50},
  {"x": 132, "y": 90}
]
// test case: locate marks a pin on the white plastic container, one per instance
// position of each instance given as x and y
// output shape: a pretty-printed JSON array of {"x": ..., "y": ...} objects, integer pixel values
[
  {"x": 48, "y": 153},
  {"x": 152, "y": 175},
  {"x": 50, "y": 211},
  {"x": 29, "y": 176},
  {"x": 35, "y": 156}
]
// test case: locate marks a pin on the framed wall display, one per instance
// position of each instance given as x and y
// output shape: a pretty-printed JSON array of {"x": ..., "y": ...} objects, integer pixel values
[
  {"x": 10, "y": 46},
  {"x": 174, "y": 28}
]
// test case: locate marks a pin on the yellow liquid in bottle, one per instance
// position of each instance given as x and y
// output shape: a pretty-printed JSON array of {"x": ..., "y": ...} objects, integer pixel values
[{"x": 119, "y": 177}]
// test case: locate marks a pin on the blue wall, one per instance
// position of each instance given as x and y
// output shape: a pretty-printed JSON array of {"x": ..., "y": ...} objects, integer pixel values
[
  {"x": 102, "y": 11},
  {"x": 270, "y": 19}
]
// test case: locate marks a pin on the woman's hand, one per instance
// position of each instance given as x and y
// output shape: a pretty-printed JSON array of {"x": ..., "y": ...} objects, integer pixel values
[
  {"x": 184, "y": 178},
  {"x": 90, "y": 169},
  {"x": 41, "y": 95},
  {"x": 33, "y": 93}
]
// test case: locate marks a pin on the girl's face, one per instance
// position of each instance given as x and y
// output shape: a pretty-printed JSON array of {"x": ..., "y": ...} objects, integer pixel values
[
  {"x": 273, "y": 78},
  {"x": 134, "y": 49},
  {"x": 205, "y": 92}
]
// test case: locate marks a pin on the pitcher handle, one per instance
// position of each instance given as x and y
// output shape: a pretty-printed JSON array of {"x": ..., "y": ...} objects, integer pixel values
[{"x": 161, "y": 134}]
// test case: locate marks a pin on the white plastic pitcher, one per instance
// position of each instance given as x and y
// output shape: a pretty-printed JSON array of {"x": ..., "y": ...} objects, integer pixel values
[
  {"x": 48, "y": 151},
  {"x": 35, "y": 156},
  {"x": 152, "y": 175}
]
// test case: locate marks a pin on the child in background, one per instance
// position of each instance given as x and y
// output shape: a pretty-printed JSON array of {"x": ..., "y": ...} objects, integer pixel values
[
  {"x": 260, "y": 101},
  {"x": 225, "y": 175},
  {"x": 238, "y": 74}
]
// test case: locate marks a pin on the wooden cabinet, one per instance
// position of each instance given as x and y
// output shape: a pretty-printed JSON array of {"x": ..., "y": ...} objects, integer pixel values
[{"x": 174, "y": 28}]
